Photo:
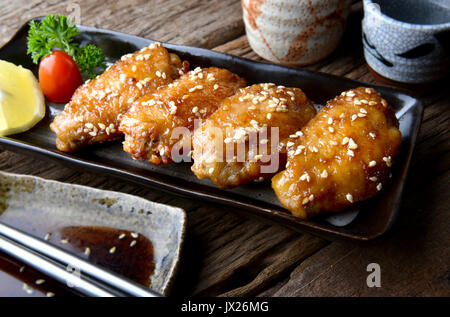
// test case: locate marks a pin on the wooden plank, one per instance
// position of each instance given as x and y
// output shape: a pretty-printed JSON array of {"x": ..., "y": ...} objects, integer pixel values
[{"x": 202, "y": 23}]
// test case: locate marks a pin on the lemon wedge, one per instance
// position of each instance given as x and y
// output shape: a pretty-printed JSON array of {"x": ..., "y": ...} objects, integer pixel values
[{"x": 22, "y": 102}]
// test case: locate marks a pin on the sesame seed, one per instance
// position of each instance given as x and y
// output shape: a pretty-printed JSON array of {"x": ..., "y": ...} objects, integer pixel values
[
  {"x": 22, "y": 268},
  {"x": 387, "y": 160},
  {"x": 324, "y": 174},
  {"x": 299, "y": 133},
  {"x": 351, "y": 144},
  {"x": 305, "y": 201},
  {"x": 350, "y": 93},
  {"x": 350, "y": 153},
  {"x": 379, "y": 186},
  {"x": 112, "y": 250},
  {"x": 331, "y": 129},
  {"x": 372, "y": 103},
  {"x": 134, "y": 235},
  {"x": 349, "y": 197},
  {"x": 299, "y": 150},
  {"x": 133, "y": 68},
  {"x": 39, "y": 282},
  {"x": 372, "y": 163},
  {"x": 211, "y": 170},
  {"x": 305, "y": 176},
  {"x": 64, "y": 241},
  {"x": 345, "y": 140},
  {"x": 50, "y": 294},
  {"x": 258, "y": 157},
  {"x": 27, "y": 288},
  {"x": 362, "y": 110},
  {"x": 373, "y": 179},
  {"x": 269, "y": 116},
  {"x": 195, "y": 109},
  {"x": 102, "y": 126},
  {"x": 216, "y": 86},
  {"x": 290, "y": 143},
  {"x": 87, "y": 251},
  {"x": 354, "y": 117},
  {"x": 330, "y": 120},
  {"x": 158, "y": 73},
  {"x": 47, "y": 236},
  {"x": 133, "y": 243},
  {"x": 311, "y": 197}
]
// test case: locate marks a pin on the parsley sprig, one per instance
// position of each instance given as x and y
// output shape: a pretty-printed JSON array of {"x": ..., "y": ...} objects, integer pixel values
[{"x": 57, "y": 31}]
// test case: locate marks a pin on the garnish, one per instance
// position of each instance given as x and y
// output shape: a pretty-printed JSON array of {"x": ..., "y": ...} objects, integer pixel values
[{"x": 58, "y": 32}]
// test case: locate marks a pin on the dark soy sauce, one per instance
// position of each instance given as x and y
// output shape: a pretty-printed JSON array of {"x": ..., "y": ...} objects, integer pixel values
[{"x": 124, "y": 252}]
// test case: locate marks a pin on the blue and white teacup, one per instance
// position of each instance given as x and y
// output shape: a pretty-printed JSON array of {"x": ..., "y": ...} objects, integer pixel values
[{"x": 407, "y": 41}]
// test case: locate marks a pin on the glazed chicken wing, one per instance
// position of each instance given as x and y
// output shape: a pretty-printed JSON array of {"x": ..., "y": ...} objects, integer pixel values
[
  {"x": 342, "y": 156},
  {"x": 94, "y": 112},
  {"x": 150, "y": 126},
  {"x": 245, "y": 139}
]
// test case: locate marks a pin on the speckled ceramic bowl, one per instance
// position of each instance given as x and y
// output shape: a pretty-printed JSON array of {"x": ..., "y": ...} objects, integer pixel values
[
  {"x": 294, "y": 32},
  {"x": 407, "y": 41}
]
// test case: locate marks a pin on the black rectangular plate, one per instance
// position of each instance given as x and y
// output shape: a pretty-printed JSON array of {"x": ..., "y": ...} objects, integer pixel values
[{"x": 373, "y": 217}]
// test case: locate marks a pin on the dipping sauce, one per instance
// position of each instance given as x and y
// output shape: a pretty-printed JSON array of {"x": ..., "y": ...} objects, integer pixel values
[{"x": 124, "y": 252}]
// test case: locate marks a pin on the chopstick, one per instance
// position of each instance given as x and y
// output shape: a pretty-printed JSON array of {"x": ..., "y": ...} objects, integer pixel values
[{"x": 54, "y": 262}]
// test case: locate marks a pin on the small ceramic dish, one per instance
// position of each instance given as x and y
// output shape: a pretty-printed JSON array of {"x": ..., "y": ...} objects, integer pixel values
[
  {"x": 128, "y": 235},
  {"x": 407, "y": 41},
  {"x": 365, "y": 221}
]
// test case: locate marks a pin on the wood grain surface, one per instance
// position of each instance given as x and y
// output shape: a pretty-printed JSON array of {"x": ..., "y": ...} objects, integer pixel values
[{"x": 228, "y": 253}]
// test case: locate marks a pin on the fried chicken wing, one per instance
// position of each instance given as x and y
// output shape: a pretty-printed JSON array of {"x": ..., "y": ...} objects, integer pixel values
[
  {"x": 342, "y": 156},
  {"x": 150, "y": 126},
  {"x": 94, "y": 112},
  {"x": 245, "y": 139}
]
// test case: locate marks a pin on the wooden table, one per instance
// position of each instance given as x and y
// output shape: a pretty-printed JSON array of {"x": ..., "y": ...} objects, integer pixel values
[{"x": 229, "y": 254}]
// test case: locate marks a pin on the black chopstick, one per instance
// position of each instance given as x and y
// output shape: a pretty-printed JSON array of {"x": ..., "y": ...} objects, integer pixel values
[{"x": 53, "y": 261}]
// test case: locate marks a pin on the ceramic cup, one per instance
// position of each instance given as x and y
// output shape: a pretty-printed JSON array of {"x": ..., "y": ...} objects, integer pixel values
[
  {"x": 294, "y": 32},
  {"x": 407, "y": 41}
]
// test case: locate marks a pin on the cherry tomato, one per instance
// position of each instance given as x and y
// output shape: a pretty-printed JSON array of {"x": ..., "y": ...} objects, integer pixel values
[{"x": 59, "y": 76}]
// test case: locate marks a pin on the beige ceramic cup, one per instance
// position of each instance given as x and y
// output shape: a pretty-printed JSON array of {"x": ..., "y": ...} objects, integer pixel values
[{"x": 295, "y": 32}]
